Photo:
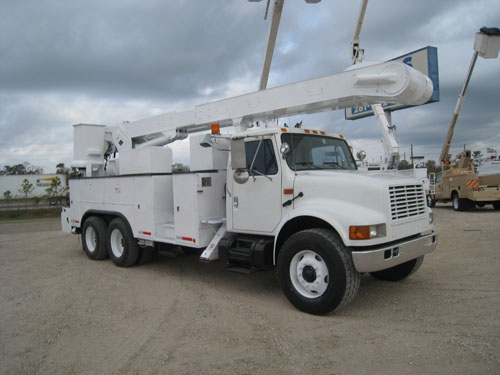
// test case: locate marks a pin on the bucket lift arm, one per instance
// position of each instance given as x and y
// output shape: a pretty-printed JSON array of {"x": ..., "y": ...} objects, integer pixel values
[
  {"x": 391, "y": 147},
  {"x": 486, "y": 44},
  {"x": 390, "y": 81}
]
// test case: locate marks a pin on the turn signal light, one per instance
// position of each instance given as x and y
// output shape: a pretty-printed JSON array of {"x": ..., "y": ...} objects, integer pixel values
[
  {"x": 366, "y": 232},
  {"x": 361, "y": 232}
]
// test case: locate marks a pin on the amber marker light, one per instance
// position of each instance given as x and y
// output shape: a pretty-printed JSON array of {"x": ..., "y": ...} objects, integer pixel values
[
  {"x": 215, "y": 128},
  {"x": 359, "y": 232},
  {"x": 366, "y": 232}
]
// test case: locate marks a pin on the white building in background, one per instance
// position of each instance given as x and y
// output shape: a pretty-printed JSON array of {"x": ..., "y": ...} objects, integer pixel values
[{"x": 40, "y": 184}]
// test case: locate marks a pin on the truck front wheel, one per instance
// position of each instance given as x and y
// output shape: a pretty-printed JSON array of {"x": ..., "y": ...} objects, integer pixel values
[
  {"x": 123, "y": 248},
  {"x": 94, "y": 238},
  {"x": 316, "y": 272},
  {"x": 399, "y": 272}
]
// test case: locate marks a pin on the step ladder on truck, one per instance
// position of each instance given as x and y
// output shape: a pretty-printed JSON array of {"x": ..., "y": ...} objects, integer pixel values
[{"x": 260, "y": 196}]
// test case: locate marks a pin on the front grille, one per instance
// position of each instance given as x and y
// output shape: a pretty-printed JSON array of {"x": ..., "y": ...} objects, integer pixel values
[{"x": 407, "y": 201}]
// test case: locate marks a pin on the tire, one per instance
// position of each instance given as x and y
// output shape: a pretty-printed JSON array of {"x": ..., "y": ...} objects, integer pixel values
[
  {"x": 94, "y": 238},
  {"x": 399, "y": 272},
  {"x": 460, "y": 204},
  {"x": 496, "y": 205},
  {"x": 316, "y": 272},
  {"x": 122, "y": 246},
  {"x": 480, "y": 204},
  {"x": 430, "y": 202}
]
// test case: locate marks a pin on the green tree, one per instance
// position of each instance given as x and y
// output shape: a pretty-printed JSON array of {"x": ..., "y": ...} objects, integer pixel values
[
  {"x": 7, "y": 195},
  {"x": 26, "y": 188},
  {"x": 23, "y": 168},
  {"x": 55, "y": 188},
  {"x": 55, "y": 191},
  {"x": 61, "y": 169},
  {"x": 403, "y": 164},
  {"x": 432, "y": 167}
]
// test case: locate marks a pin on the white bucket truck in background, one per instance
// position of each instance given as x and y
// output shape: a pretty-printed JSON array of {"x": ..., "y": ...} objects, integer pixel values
[{"x": 260, "y": 197}]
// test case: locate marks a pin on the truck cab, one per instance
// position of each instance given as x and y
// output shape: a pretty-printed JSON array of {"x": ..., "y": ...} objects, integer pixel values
[{"x": 299, "y": 192}]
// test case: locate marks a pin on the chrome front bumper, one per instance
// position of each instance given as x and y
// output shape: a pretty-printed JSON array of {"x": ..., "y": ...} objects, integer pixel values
[{"x": 390, "y": 256}]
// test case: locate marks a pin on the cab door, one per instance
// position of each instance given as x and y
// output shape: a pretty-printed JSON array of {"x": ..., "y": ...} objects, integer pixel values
[{"x": 256, "y": 204}]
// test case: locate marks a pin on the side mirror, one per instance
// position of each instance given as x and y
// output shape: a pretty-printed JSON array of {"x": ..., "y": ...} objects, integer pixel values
[
  {"x": 241, "y": 176},
  {"x": 239, "y": 161},
  {"x": 284, "y": 149},
  {"x": 238, "y": 154},
  {"x": 206, "y": 141},
  {"x": 361, "y": 155}
]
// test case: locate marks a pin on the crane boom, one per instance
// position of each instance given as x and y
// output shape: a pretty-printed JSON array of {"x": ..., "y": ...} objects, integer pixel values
[
  {"x": 391, "y": 147},
  {"x": 271, "y": 41},
  {"x": 486, "y": 45},
  {"x": 446, "y": 146},
  {"x": 356, "y": 51},
  {"x": 390, "y": 81}
]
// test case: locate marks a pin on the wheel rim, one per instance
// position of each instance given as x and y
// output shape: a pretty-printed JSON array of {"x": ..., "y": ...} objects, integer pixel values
[
  {"x": 91, "y": 239},
  {"x": 116, "y": 242},
  {"x": 309, "y": 274},
  {"x": 455, "y": 202}
]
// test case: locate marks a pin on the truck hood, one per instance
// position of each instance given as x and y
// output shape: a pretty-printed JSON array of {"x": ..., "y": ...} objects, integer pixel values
[
  {"x": 365, "y": 195},
  {"x": 344, "y": 198},
  {"x": 379, "y": 178}
]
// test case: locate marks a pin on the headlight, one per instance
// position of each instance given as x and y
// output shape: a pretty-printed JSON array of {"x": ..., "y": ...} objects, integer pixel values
[{"x": 366, "y": 232}]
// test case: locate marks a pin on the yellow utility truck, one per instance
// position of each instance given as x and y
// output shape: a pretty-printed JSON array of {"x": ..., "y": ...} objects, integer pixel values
[{"x": 459, "y": 180}]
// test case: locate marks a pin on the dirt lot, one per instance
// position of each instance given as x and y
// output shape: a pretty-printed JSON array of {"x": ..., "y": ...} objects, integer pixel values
[{"x": 62, "y": 313}]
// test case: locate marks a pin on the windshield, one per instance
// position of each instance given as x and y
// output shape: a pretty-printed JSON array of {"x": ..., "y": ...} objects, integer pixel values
[{"x": 317, "y": 152}]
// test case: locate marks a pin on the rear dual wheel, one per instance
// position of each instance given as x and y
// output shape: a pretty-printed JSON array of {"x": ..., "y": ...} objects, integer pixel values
[
  {"x": 122, "y": 246},
  {"x": 461, "y": 204},
  {"x": 94, "y": 238}
]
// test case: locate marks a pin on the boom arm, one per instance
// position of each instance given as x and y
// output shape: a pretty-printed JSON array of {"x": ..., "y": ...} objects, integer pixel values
[
  {"x": 486, "y": 44},
  {"x": 356, "y": 51},
  {"x": 386, "y": 82},
  {"x": 391, "y": 147}
]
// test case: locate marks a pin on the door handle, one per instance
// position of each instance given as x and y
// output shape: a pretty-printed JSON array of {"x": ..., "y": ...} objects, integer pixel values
[{"x": 235, "y": 202}]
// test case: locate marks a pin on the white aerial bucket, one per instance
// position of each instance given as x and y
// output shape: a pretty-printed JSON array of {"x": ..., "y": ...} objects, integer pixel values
[{"x": 88, "y": 145}]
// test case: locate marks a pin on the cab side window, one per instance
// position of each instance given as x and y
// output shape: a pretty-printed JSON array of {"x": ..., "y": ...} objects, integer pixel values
[{"x": 265, "y": 161}]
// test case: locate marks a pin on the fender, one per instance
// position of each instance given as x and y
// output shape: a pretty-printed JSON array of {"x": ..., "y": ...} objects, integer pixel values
[{"x": 337, "y": 214}]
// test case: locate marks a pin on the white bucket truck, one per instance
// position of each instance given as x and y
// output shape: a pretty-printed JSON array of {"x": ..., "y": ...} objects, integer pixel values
[{"x": 260, "y": 197}]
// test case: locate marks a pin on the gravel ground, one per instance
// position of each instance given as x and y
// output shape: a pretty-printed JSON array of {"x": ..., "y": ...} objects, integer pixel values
[{"x": 62, "y": 313}]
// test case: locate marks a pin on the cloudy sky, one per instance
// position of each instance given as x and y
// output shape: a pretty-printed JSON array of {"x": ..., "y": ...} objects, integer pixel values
[{"x": 105, "y": 61}]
